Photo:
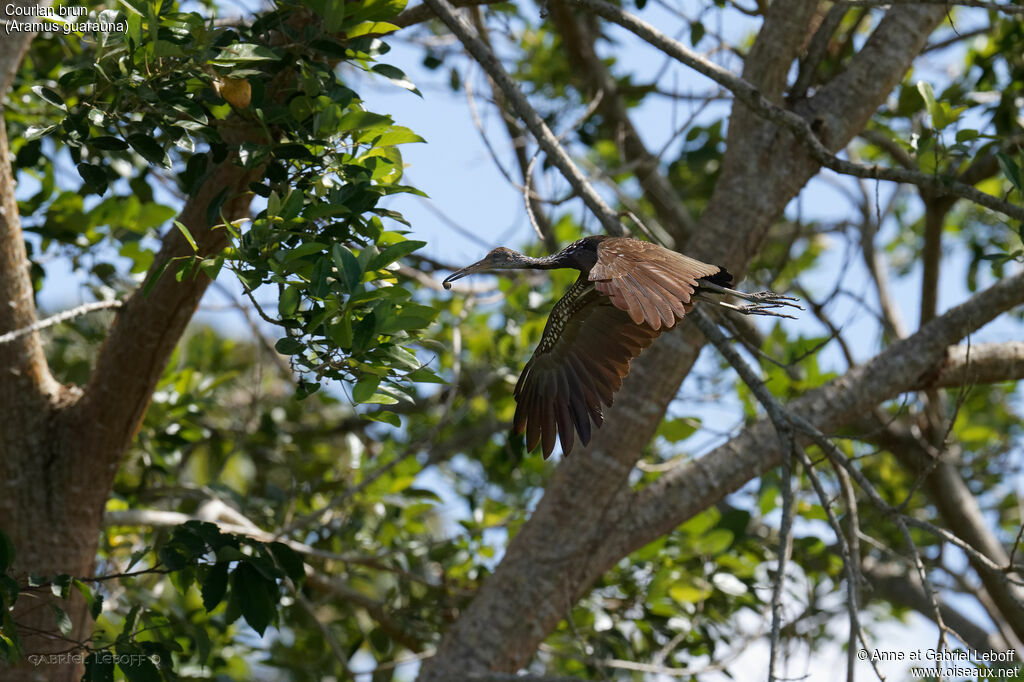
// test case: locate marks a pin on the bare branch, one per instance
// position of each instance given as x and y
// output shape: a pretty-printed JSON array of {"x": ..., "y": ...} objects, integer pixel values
[
  {"x": 680, "y": 493},
  {"x": 800, "y": 127},
  {"x": 981, "y": 4},
  {"x": 982, "y": 363},
  {"x": 893, "y": 584},
  {"x": 423, "y": 12},
  {"x": 64, "y": 316},
  {"x": 580, "y": 41},
  {"x": 783, "y": 423},
  {"x": 545, "y": 138}
]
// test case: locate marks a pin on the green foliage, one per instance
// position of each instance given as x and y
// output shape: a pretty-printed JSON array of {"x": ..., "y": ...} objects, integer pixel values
[
  {"x": 385, "y": 527},
  {"x": 172, "y": 94}
]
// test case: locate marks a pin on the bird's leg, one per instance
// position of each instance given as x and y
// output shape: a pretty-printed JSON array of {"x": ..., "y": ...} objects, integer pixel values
[{"x": 761, "y": 302}]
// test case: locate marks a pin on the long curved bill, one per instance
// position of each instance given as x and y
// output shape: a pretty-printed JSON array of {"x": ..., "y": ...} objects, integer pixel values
[{"x": 479, "y": 266}]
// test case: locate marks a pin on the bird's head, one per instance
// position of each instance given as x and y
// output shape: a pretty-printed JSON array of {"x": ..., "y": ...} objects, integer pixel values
[{"x": 498, "y": 259}]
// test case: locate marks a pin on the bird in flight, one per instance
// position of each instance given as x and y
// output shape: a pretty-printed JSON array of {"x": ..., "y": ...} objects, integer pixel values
[{"x": 628, "y": 292}]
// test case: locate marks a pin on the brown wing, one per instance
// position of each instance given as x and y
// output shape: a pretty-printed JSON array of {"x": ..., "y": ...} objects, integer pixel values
[
  {"x": 651, "y": 283},
  {"x": 579, "y": 364}
]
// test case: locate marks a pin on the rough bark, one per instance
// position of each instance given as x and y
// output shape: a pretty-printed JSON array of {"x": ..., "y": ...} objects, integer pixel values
[
  {"x": 980, "y": 363},
  {"x": 61, "y": 446}
]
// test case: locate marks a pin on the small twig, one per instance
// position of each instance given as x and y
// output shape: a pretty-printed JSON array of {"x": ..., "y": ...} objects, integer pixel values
[
  {"x": 545, "y": 138},
  {"x": 749, "y": 95},
  {"x": 1013, "y": 552},
  {"x": 784, "y": 431},
  {"x": 77, "y": 311},
  {"x": 980, "y": 4}
]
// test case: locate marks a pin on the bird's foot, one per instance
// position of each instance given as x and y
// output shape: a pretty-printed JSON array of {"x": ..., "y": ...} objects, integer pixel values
[
  {"x": 767, "y": 309},
  {"x": 772, "y": 299},
  {"x": 763, "y": 303}
]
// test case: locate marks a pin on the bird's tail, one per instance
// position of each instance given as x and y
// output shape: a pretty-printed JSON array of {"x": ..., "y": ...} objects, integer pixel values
[{"x": 722, "y": 278}]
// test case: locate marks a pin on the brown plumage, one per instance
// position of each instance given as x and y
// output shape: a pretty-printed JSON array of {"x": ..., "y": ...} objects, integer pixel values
[{"x": 627, "y": 293}]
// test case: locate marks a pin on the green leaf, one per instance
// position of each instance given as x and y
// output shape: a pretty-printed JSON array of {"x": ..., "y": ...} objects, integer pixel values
[
  {"x": 288, "y": 304},
  {"x": 348, "y": 266},
  {"x": 289, "y": 560},
  {"x": 188, "y": 235},
  {"x": 380, "y": 399},
  {"x": 109, "y": 143},
  {"x": 95, "y": 177},
  {"x": 99, "y": 667},
  {"x": 928, "y": 95},
  {"x": 378, "y": 28},
  {"x": 1011, "y": 170},
  {"x": 293, "y": 151},
  {"x": 396, "y": 76},
  {"x": 288, "y": 346},
  {"x": 49, "y": 96},
  {"x": 215, "y": 585},
  {"x": 63, "y": 621},
  {"x": 714, "y": 542},
  {"x": 301, "y": 108},
  {"x": 378, "y": 10},
  {"x": 148, "y": 148},
  {"x": 397, "y": 135},
  {"x": 362, "y": 120},
  {"x": 365, "y": 388},
  {"x": 61, "y": 585},
  {"x": 35, "y": 132},
  {"x": 425, "y": 375},
  {"x": 257, "y": 596},
  {"x": 675, "y": 430},
  {"x": 136, "y": 666},
  {"x": 966, "y": 135},
  {"x": 384, "y": 416},
  {"x": 697, "y": 32},
  {"x": 244, "y": 52},
  {"x": 393, "y": 253},
  {"x": 92, "y": 600},
  {"x": 690, "y": 591},
  {"x": 946, "y": 115}
]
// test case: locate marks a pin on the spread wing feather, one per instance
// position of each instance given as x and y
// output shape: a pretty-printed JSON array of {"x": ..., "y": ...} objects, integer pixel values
[
  {"x": 651, "y": 283},
  {"x": 583, "y": 355},
  {"x": 633, "y": 292}
]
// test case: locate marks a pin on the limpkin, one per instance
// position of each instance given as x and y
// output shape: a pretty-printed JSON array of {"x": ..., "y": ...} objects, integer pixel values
[{"x": 628, "y": 292}]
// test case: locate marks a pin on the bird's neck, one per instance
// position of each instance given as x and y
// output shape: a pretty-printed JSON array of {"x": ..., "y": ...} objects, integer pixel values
[{"x": 552, "y": 262}]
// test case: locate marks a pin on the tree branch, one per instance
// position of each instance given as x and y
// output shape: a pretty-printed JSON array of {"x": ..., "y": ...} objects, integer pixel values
[
  {"x": 692, "y": 487},
  {"x": 960, "y": 512},
  {"x": 64, "y": 316},
  {"x": 580, "y": 47},
  {"x": 981, "y": 4},
  {"x": 892, "y": 584},
  {"x": 545, "y": 138},
  {"x": 564, "y": 546},
  {"x": 145, "y": 332},
  {"x": 982, "y": 363},
  {"x": 793, "y": 122},
  {"x": 423, "y": 12}
]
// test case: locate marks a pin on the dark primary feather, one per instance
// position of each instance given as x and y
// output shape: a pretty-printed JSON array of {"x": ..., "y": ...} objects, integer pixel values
[{"x": 628, "y": 293}]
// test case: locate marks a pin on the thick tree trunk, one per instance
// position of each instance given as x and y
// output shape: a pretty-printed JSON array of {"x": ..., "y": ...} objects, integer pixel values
[
  {"x": 53, "y": 528},
  {"x": 60, "y": 447}
]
